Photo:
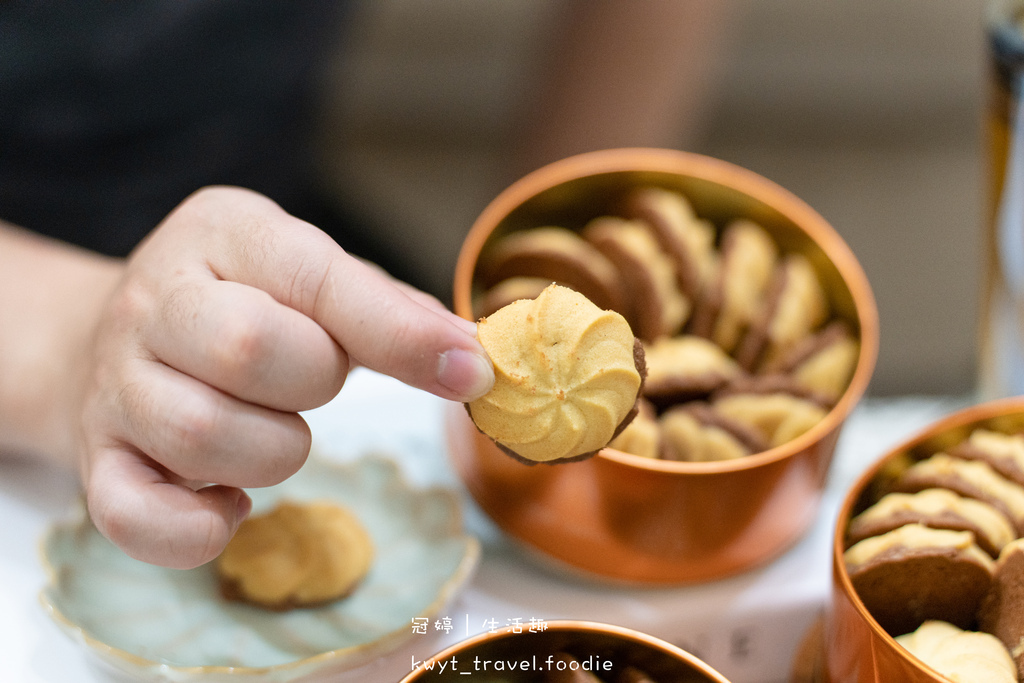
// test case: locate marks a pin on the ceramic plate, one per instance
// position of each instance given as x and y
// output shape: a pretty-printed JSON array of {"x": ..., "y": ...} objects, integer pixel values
[{"x": 163, "y": 624}]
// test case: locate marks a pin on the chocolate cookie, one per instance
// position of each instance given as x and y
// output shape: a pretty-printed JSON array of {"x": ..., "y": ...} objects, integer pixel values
[
  {"x": 1002, "y": 611},
  {"x": 655, "y": 305},
  {"x": 693, "y": 432},
  {"x": 1003, "y": 452},
  {"x": 913, "y": 574},
  {"x": 747, "y": 260},
  {"x": 685, "y": 368},
  {"x": 822, "y": 362},
  {"x": 969, "y": 478},
  {"x": 557, "y": 255},
  {"x": 779, "y": 417},
  {"x": 794, "y": 305},
  {"x": 938, "y": 509},
  {"x": 689, "y": 240}
]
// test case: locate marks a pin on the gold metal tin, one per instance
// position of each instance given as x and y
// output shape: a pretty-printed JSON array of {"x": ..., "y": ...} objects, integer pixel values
[
  {"x": 857, "y": 649},
  {"x": 621, "y": 517}
]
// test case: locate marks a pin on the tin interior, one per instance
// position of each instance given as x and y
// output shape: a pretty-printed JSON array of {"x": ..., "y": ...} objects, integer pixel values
[
  {"x": 606, "y": 651},
  {"x": 866, "y": 652},
  {"x": 573, "y": 203}
]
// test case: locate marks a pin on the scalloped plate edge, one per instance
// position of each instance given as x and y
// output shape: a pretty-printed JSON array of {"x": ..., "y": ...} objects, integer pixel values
[{"x": 342, "y": 658}]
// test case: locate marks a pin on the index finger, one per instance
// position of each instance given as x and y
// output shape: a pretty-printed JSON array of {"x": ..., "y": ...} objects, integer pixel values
[{"x": 363, "y": 309}]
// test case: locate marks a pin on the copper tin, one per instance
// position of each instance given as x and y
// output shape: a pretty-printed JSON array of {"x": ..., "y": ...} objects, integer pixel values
[
  {"x": 601, "y": 643},
  {"x": 622, "y": 517},
  {"x": 857, "y": 649}
]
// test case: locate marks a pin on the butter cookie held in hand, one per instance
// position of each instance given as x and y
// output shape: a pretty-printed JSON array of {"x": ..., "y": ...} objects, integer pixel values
[{"x": 567, "y": 377}]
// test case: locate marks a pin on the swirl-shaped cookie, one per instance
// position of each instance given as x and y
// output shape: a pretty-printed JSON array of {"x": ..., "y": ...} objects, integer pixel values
[
  {"x": 296, "y": 555},
  {"x": 567, "y": 376}
]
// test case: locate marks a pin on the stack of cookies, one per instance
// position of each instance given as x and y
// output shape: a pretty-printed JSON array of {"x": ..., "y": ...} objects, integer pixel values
[
  {"x": 743, "y": 349},
  {"x": 943, "y": 543}
]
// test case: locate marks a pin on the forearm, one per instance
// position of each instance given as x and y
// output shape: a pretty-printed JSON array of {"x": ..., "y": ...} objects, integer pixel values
[{"x": 51, "y": 295}]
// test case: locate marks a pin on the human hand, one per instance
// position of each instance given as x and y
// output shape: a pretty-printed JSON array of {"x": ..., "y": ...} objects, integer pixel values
[{"x": 230, "y": 318}]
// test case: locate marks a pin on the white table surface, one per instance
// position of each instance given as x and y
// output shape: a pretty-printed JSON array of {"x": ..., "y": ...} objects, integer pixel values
[{"x": 747, "y": 626}]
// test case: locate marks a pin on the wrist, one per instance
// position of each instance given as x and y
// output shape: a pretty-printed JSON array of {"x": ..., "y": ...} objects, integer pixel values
[{"x": 54, "y": 293}]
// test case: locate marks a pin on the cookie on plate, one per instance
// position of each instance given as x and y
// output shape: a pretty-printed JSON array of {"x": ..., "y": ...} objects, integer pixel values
[
  {"x": 296, "y": 555},
  {"x": 913, "y": 574},
  {"x": 568, "y": 377}
]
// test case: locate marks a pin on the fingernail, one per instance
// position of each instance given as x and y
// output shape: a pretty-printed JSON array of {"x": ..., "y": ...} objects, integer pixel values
[{"x": 470, "y": 375}]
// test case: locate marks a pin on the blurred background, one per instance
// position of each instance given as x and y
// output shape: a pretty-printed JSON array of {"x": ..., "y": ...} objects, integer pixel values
[{"x": 869, "y": 110}]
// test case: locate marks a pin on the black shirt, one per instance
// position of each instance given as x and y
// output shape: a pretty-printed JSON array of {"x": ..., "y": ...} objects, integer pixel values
[{"x": 111, "y": 113}]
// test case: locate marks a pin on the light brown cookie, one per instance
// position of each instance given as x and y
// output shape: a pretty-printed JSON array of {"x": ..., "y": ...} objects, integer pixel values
[
  {"x": 823, "y": 362},
  {"x": 794, "y": 305},
  {"x": 693, "y": 432},
  {"x": 642, "y": 436},
  {"x": 296, "y": 555},
  {"x": 913, "y": 574},
  {"x": 689, "y": 240},
  {"x": 656, "y": 307},
  {"x": 769, "y": 384},
  {"x": 938, "y": 509},
  {"x": 1003, "y": 452},
  {"x": 567, "y": 377},
  {"x": 684, "y": 368},
  {"x": 747, "y": 260},
  {"x": 558, "y": 255},
  {"x": 960, "y": 655},
  {"x": 969, "y": 478},
  {"x": 779, "y": 417},
  {"x": 1002, "y": 610},
  {"x": 509, "y": 290}
]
